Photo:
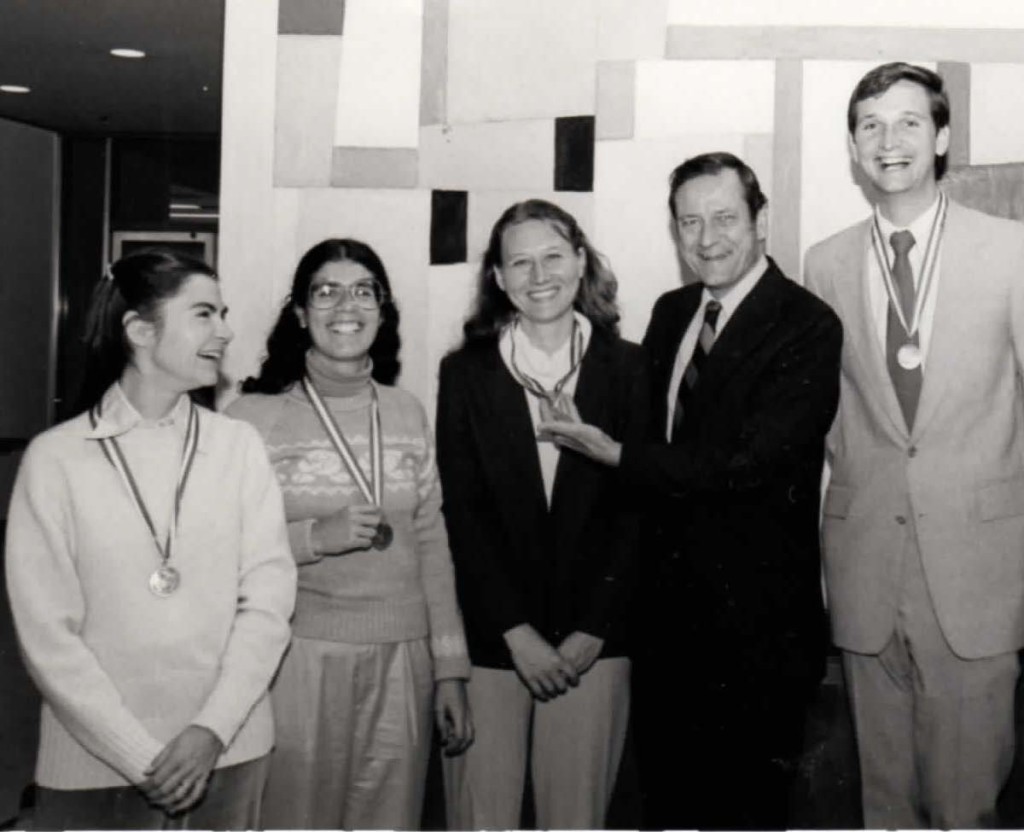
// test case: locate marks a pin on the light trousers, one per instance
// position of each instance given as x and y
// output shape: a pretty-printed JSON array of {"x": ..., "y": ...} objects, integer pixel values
[
  {"x": 935, "y": 733},
  {"x": 573, "y": 745},
  {"x": 231, "y": 801},
  {"x": 354, "y": 726}
]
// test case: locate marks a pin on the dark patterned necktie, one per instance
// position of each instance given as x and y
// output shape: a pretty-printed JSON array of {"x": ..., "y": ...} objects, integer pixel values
[
  {"x": 906, "y": 380},
  {"x": 705, "y": 341}
]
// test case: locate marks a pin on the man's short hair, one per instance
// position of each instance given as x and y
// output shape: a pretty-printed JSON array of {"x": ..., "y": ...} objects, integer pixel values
[
  {"x": 712, "y": 164},
  {"x": 881, "y": 78}
]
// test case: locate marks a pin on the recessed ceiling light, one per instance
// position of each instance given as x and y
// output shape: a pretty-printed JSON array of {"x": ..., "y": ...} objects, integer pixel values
[
  {"x": 127, "y": 53},
  {"x": 14, "y": 88}
]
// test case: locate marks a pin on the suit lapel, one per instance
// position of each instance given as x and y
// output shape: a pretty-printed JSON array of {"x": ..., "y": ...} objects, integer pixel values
[
  {"x": 664, "y": 347},
  {"x": 865, "y": 345},
  {"x": 507, "y": 434},
  {"x": 748, "y": 325},
  {"x": 593, "y": 392},
  {"x": 752, "y": 321},
  {"x": 950, "y": 324}
]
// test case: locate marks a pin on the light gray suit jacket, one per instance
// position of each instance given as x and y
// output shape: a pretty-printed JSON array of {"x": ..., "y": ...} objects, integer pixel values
[{"x": 959, "y": 474}]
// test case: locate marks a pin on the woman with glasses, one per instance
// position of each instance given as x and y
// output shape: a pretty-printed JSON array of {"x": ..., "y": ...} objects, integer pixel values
[
  {"x": 543, "y": 540},
  {"x": 378, "y": 636}
]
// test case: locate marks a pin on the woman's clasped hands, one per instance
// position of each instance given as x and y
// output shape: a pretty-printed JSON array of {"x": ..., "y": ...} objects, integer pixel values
[{"x": 546, "y": 671}]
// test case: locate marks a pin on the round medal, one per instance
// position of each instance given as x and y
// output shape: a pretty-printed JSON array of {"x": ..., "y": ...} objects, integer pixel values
[
  {"x": 164, "y": 581},
  {"x": 385, "y": 534},
  {"x": 909, "y": 356}
]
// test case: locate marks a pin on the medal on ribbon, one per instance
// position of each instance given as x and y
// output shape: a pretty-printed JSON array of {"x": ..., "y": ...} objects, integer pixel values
[
  {"x": 555, "y": 404},
  {"x": 909, "y": 356},
  {"x": 165, "y": 579},
  {"x": 372, "y": 490}
]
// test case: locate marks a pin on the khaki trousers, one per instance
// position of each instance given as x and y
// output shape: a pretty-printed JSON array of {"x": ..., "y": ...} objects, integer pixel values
[
  {"x": 935, "y": 732},
  {"x": 354, "y": 727},
  {"x": 573, "y": 745}
]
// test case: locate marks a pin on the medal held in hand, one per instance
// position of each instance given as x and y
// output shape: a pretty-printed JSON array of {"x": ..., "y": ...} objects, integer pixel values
[
  {"x": 165, "y": 579},
  {"x": 372, "y": 490}
]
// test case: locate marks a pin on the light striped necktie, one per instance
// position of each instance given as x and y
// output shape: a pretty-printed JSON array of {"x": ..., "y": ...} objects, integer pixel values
[{"x": 705, "y": 341}]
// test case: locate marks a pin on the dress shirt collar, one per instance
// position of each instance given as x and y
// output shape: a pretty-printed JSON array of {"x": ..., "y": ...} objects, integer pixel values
[
  {"x": 735, "y": 294},
  {"x": 920, "y": 228},
  {"x": 118, "y": 415}
]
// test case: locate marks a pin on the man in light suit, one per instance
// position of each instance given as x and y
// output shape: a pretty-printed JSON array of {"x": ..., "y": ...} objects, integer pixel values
[
  {"x": 924, "y": 515},
  {"x": 731, "y": 630}
]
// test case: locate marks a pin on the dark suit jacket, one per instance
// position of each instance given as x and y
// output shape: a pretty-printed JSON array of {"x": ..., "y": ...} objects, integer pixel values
[
  {"x": 734, "y": 571},
  {"x": 564, "y": 569}
]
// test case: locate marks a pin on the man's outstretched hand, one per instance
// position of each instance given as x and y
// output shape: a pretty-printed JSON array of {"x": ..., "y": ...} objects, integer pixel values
[{"x": 584, "y": 439}]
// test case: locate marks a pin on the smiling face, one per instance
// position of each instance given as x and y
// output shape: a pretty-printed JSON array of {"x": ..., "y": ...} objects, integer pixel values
[
  {"x": 344, "y": 333},
  {"x": 894, "y": 142},
  {"x": 185, "y": 345},
  {"x": 540, "y": 271},
  {"x": 717, "y": 237}
]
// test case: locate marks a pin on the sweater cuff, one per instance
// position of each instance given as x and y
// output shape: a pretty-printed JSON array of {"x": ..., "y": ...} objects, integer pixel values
[
  {"x": 140, "y": 751},
  {"x": 451, "y": 668},
  {"x": 451, "y": 657},
  {"x": 223, "y": 725},
  {"x": 300, "y": 539}
]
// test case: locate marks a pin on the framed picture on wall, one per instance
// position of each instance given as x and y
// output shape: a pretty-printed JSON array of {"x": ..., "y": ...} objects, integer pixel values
[{"x": 199, "y": 244}]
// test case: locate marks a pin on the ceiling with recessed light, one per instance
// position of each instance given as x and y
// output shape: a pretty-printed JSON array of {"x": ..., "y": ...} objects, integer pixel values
[{"x": 60, "y": 49}]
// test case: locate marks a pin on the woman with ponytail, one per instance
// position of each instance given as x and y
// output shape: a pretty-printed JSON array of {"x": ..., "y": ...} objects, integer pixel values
[
  {"x": 149, "y": 573},
  {"x": 377, "y": 633}
]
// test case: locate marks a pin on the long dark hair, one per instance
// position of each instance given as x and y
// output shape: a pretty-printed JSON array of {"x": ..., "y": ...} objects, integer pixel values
[
  {"x": 595, "y": 299},
  {"x": 138, "y": 283},
  {"x": 288, "y": 343}
]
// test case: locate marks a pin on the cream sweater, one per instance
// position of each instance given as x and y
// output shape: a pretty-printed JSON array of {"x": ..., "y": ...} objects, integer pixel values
[
  {"x": 120, "y": 670},
  {"x": 404, "y": 592}
]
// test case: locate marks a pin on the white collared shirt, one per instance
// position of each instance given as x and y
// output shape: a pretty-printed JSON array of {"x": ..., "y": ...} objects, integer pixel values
[
  {"x": 877, "y": 295},
  {"x": 548, "y": 369},
  {"x": 730, "y": 301},
  {"x": 151, "y": 447}
]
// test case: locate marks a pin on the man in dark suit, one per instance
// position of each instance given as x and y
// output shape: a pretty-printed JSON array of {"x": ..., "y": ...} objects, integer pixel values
[{"x": 731, "y": 629}]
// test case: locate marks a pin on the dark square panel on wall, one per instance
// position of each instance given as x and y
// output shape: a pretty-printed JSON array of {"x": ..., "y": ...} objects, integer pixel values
[
  {"x": 448, "y": 227},
  {"x": 311, "y": 17},
  {"x": 574, "y": 153}
]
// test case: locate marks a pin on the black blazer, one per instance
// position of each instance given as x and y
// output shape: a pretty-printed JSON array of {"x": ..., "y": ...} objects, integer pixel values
[
  {"x": 561, "y": 570},
  {"x": 734, "y": 568}
]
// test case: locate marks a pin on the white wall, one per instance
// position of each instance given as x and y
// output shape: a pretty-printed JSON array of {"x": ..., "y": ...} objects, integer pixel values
[{"x": 495, "y": 76}]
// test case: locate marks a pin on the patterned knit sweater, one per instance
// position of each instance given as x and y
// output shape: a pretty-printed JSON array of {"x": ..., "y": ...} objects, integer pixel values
[{"x": 404, "y": 592}]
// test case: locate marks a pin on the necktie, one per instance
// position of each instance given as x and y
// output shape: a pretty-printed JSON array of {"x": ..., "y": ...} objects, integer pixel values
[
  {"x": 906, "y": 381},
  {"x": 705, "y": 341}
]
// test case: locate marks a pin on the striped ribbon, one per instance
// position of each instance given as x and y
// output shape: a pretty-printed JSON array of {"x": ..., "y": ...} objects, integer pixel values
[
  {"x": 931, "y": 256},
  {"x": 372, "y": 490},
  {"x": 115, "y": 456},
  {"x": 552, "y": 397}
]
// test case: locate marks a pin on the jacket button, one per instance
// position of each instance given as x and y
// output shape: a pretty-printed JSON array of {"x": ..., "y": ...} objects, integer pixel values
[
  {"x": 901, "y": 519},
  {"x": 912, "y": 451}
]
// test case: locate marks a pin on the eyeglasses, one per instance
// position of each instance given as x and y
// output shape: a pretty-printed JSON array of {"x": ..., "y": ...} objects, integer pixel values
[{"x": 366, "y": 294}]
